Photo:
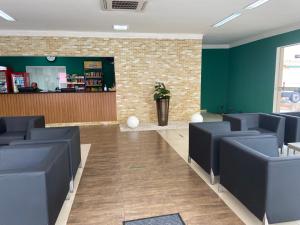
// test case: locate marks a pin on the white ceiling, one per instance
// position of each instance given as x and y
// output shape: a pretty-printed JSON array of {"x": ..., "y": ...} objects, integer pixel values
[{"x": 160, "y": 16}]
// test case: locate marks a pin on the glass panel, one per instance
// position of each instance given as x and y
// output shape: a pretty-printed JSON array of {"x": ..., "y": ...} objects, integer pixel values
[
  {"x": 48, "y": 78},
  {"x": 290, "y": 82}
]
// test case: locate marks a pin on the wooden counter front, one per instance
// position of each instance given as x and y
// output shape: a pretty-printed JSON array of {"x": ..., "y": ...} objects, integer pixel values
[{"x": 62, "y": 107}]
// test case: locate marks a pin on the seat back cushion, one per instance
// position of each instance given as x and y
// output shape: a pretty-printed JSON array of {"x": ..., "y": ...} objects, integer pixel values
[
  {"x": 7, "y": 137},
  {"x": 19, "y": 157},
  {"x": 223, "y": 126},
  {"x": 16, "y": 123},
  {"x": 50, "y": 133},
  {"x": 266, "y": 145},
  {"x": 252, "y": 120},
  {"x": 269, "y": 122},
  {"x": 292, "y": 114}
]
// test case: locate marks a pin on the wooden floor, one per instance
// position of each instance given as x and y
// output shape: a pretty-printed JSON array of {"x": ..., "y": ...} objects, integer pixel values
[{"x": 133, "y": 175}]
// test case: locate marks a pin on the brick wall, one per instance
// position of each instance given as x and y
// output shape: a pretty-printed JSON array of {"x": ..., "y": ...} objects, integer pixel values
[{"x": 138, "y": 64}]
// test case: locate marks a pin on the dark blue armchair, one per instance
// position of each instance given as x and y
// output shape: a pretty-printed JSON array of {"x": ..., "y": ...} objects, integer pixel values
[
  {"x": 34, "y": 183},
  {"x": 262, "y": 122},
  {"x": 268, "y": 185},
  {"x": 204, "y": 140},
  {"x": 69, "y": 135},
  {"x": 18, "y": 127}
]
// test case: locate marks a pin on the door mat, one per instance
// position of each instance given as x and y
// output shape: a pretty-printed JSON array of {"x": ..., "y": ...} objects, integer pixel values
[{"x": 172, "y": 219}]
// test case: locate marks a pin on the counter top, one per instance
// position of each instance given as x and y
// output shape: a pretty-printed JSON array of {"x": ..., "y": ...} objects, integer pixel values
[{"x": 54, "y": 92}]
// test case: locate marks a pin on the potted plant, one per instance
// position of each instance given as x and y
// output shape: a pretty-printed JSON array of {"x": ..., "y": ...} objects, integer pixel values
[{"x": 162, "y": 98}]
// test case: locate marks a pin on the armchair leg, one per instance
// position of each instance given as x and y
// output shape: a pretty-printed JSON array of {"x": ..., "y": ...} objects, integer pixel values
[
  {"x": 221, "y": 189},
  {"x": 212, "y": 177},
  {"x": 265, "y": 220},
  {"x": 72, "y": 186},
  {"x": 189, "y": 159},
  {"x": 68, "y": 196}
]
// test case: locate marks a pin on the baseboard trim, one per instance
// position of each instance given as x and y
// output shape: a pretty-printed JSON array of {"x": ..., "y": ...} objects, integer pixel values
[{"x": 105, "y": 123}]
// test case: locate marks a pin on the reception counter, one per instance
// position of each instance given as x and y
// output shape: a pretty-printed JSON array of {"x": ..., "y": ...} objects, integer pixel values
[{"x": 62, "y": 107}]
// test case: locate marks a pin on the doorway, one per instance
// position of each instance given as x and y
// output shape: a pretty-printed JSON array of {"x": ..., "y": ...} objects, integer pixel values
[{"x": 287, "y": 81}]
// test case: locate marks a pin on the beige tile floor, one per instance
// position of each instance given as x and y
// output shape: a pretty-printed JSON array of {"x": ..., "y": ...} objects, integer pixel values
[
  {"x": 178, "y": 139},
  {"x": 66, "y": 209}
]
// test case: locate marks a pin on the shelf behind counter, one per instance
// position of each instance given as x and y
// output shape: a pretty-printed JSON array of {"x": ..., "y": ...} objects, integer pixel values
[{"x": 71, "y": 107}]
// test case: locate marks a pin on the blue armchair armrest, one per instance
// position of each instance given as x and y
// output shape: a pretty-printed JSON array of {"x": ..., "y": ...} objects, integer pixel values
[{"x": 237, "y": 122}]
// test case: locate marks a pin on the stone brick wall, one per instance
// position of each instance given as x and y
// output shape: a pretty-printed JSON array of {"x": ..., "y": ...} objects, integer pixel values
[{"x": 138, "y": 64}]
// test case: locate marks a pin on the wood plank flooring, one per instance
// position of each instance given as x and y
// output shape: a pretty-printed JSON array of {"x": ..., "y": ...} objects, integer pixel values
[{"x": 133, "y": 175}]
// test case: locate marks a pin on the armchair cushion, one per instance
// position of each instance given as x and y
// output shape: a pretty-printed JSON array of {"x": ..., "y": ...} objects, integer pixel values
[{"x": 8, "y": 137}]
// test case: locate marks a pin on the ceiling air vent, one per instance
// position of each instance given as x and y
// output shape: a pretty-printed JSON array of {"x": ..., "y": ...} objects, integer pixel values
[{"x": 123, "y": 5}]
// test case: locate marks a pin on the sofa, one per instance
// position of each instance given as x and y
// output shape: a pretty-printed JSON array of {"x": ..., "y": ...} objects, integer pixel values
[
  {"x": 292, "y": 126},
  {"x": 34, "y": 183},
  {"x": 262, "y": 122},
  {"x": 18, "y": 127},
  {"x": 268, "y": 185},
  {"x": 204, "y": 139},
  {"x": 69, "y": 135}
]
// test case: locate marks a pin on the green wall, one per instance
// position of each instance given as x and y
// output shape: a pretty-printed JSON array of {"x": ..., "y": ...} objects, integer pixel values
[
  {"x": 252, "y": 72},
  {"x": 250, "y": 79},
  {"x": 214, "y": 76},
  {"x": 74, "y": 65}
]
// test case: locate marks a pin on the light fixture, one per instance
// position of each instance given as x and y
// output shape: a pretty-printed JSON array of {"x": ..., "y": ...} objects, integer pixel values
[
  {"x": 6, "y": 16},
  {"x": 227, "y": 19},
  {"x": 256, "y": 4},
  {"x": 120, "y": 27}
]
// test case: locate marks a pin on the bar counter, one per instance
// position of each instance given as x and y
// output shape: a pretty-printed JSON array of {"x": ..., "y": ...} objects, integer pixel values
[{"x": 72, "y": 107}]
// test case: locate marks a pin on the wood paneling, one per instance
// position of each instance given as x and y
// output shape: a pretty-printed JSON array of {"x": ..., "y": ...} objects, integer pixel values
[
  {"x": 61, "y": 107},
  {"x": 133, "y": 175}
]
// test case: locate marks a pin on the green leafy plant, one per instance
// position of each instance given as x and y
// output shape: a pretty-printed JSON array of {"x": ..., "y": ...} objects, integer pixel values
[{"x": 161, "y": 92}]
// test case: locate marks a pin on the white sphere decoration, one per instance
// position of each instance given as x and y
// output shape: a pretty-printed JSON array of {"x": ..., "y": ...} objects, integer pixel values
[
  {"x": 197, "y": 118},
  {"x": 133, "y": 122}
]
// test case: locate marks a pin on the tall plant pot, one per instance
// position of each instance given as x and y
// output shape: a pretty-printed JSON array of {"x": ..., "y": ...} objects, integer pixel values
[{"x": 162, "y": 106}]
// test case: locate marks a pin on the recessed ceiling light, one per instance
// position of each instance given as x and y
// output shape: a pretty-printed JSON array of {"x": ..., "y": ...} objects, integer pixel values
[
  {"x": 227, "y": 19},
  {"x": 120, "y": 27},
  {"x": 6, "y": 16},
  {"x": 256, "y": 4}
]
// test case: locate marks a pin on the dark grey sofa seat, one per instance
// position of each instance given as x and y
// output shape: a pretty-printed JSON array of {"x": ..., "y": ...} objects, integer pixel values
[
  {"x": 69, "y": 135},
  {"x": 262, "y": 122},
  {"x": 292, "y": 126},
  {"x": 204, "y": 139},
  {"x": 34, "y": 183},
  {"x": 18, "y": 128},
  {"x": 268, "y": 185}
]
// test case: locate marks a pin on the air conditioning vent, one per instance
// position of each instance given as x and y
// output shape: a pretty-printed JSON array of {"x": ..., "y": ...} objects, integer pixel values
[{"x": 123, "y": 5}]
